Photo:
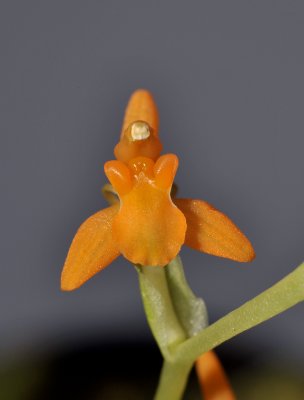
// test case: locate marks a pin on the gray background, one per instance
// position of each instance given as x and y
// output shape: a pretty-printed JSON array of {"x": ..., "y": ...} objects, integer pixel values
[{"x": 228, "y": 80}]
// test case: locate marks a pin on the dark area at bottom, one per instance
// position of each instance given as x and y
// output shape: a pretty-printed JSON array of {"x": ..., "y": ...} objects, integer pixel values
[{"x": 130, "y": 371}]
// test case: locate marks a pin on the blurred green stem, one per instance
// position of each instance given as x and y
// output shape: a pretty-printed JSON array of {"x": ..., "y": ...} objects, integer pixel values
[
  {"x": 283, "y": 295},
  {"x": 159, "y": 308},
  {"x": 178, "y": 319},
  {"x": 173, "y": 380},
  {"x": 174, "y": 314}
]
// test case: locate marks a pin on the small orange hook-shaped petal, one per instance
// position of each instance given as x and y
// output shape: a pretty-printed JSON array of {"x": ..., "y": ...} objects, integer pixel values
[
  {"x": 165, "y": 169},
  {"x": 119, "y": 175}
]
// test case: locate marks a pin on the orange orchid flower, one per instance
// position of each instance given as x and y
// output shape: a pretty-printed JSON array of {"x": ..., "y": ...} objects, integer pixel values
[{"x": 147, "y": 226}]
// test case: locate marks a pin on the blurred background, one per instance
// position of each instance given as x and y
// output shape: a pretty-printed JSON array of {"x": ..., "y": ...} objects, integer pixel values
[{"x": 228, "y": 81}]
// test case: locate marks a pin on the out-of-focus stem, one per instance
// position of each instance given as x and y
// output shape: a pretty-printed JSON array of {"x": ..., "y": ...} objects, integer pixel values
[
  {"x": 162, "y": 291},
  {"x": 173, "y": 380},
  {"x": 159, "y": 308},
  {"x": 273, "y": 301}
]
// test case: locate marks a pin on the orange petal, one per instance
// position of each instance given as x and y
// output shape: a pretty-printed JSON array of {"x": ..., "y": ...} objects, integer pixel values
[
  {"x": 149, "y": 229},
  {"x": 212, "y": 232},
  {"x": 141, "y": 107},
  {"x": 212, "y": 378},
  {"x": 139, "y": 136},
  {"x": 92, "y": 249}
]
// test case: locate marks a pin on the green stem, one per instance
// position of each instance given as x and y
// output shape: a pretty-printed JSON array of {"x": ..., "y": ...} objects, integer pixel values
[
  {"x": 173, "y": 381},
  {"x": 173, "y": 313},
  {"x": 283, "y": 295},
  {"x": 168, "y": 302},
  {"x": 190, "y": 309},
  {"x": 165, "y": 325}
]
